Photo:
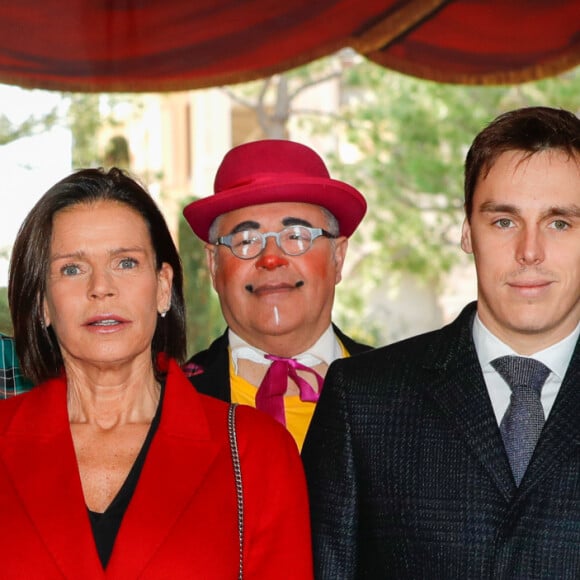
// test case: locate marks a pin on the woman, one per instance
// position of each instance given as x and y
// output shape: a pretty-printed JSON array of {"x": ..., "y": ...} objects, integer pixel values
[{"x": 114, "y": 466}]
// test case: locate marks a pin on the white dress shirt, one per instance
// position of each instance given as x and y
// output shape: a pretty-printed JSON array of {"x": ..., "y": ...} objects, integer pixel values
[
  {"x": 325, "y": 350},
  {"x": 556, "y": 357}
]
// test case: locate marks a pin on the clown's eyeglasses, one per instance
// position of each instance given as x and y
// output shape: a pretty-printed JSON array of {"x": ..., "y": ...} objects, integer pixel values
[{"x": 293, "y": 241}]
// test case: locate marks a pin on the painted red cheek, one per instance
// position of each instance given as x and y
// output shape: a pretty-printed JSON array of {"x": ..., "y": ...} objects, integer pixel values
[{"x": 271, "y": 261}]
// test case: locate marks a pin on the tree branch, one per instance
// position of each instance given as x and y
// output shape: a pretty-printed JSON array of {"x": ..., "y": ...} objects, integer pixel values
[
  {"x": 237, "y": 99},
  {"x": 317, "y": 113},
  {"x": 314, "y": 82}
]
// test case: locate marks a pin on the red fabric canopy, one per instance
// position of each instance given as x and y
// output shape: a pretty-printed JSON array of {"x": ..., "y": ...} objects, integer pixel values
[{"x": 159, "y": 45}]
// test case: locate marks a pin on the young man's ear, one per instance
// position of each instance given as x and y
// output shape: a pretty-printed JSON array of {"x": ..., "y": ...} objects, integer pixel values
[{"x": 466, "y": 245}]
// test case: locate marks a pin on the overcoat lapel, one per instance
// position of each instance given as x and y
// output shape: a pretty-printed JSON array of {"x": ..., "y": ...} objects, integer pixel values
[
  {"x": 458, "y": 388},
  {"x": 37, "y": 440},
  {"x": 215, "y": 378},
  {"x": 560, "y": 437},
  {"x": 181, "y": 453}
]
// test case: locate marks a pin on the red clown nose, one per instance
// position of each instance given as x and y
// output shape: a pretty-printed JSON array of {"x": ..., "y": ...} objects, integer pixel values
[{"x": 271, "y": 261}]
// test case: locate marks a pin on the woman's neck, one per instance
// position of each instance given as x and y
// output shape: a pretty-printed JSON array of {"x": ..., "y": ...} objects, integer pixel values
[{"x": 111, "y": 397}]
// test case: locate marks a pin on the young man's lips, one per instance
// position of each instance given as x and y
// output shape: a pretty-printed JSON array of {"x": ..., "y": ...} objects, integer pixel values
[
  {"x": 530, "y": 283},
  {"x": 531, "y": 287}
]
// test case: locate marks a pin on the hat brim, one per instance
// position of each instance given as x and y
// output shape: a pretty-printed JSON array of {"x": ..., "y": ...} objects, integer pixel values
[{"x": 340, "y": 199}]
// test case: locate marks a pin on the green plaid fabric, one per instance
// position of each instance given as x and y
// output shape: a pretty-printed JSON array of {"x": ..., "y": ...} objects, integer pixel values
[{"x": 11, "y": 380}]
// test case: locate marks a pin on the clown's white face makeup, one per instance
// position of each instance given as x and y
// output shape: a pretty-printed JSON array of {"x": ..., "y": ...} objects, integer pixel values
[{"x": 275, "y": 300}]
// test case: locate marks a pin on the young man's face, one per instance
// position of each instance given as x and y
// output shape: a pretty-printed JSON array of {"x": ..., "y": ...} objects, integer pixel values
[
  {"x": 276, "y": 295},
  {"x": 524, "y": 233}
]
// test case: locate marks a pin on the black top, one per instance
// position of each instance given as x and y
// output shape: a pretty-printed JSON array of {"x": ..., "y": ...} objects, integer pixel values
[{"x": 106, "y": 525}]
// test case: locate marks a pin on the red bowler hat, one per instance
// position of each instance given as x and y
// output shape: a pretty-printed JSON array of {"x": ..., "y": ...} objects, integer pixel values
[{"x": 271, "y": 171}]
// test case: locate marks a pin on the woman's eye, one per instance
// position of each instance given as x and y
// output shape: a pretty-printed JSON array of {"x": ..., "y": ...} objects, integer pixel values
[{"x": 70, "y": 270}]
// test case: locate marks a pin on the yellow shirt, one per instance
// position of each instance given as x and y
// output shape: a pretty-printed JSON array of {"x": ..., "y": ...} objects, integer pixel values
[{"x": 298, "y": 413}]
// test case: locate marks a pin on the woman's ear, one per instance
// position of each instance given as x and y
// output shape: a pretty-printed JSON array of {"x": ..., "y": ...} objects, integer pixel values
[
  {"x": 165, "y": 284},
  {"x": 45, "y": 313}
]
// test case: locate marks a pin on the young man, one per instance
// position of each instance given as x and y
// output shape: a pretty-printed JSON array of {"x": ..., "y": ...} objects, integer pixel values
[
  {"x": 276, "y": 233},
  {"x": 456, "y": 454},
  {"x": 11, "y": 380}
]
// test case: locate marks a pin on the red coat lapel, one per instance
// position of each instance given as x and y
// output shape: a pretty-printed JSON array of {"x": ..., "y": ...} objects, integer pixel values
[
  {"x": 39, "y": 457},
  {"x": 182, "y": 452}
]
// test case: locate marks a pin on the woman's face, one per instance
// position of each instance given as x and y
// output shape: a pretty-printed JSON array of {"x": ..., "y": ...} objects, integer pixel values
[{"x": 103, "y": 291}]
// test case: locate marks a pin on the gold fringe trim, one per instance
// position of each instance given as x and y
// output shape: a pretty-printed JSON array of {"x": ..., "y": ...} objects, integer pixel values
[
  {"x": 395, "y": 25},
  {"x": 532, "y": 72}
]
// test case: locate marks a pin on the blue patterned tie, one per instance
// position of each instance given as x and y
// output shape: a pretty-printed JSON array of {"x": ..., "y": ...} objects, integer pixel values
[{"x": 524, "y": 419}]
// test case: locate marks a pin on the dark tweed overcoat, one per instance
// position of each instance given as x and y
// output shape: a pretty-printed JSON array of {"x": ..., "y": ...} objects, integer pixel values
[{"x": 408, "y": 475}]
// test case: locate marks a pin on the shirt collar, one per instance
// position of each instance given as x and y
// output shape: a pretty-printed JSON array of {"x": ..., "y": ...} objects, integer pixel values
[
  {"x": 556, "y": 357},
  {"x": 325, "y": 350}
]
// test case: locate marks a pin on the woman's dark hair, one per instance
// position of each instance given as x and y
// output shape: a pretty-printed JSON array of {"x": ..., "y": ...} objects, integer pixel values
[
  {"x": 530, "y": 130},
  {"x": 36, "y": 345}
]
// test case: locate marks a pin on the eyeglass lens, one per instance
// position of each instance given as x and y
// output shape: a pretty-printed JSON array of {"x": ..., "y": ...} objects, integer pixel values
[{"x": 293, "y": 241}]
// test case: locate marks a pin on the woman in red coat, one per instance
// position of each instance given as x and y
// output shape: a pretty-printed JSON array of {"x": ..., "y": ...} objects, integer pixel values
[{"x": 113, "y": 466}]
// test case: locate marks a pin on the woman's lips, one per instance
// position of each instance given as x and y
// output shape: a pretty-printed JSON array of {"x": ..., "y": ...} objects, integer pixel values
[{"x": 107, "y": 323}]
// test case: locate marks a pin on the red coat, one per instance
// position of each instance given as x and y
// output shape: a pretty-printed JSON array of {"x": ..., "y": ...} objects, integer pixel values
[{"x": 181, "y": 522}]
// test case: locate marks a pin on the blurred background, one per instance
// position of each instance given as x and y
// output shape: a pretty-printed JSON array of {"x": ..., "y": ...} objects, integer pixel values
[{"x": 399, "y": 138}]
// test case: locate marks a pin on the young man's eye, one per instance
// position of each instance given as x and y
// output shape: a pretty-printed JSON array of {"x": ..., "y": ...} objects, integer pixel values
[
  {"x": 128, "y": 263},
  {"x": 504, "y": 223},
  {"x": 559, "y": 225}
]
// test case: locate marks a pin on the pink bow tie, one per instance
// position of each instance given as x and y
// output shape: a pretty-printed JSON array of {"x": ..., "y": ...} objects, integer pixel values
[{"x": 270, "y": 395}]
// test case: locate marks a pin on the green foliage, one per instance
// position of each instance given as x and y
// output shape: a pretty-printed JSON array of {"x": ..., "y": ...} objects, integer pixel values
[
  {"x": 88, "y": 115},
  {"x": 117, "y": 152},
  {"x": 5, "y": 321},
  {"x": 9, "y": 132},
  {"x": 204, "y": 318},
  {"x": 84, "y": 122},
  {"x": 31, "y": 126},
  {"x": 409, "y": 138}
]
